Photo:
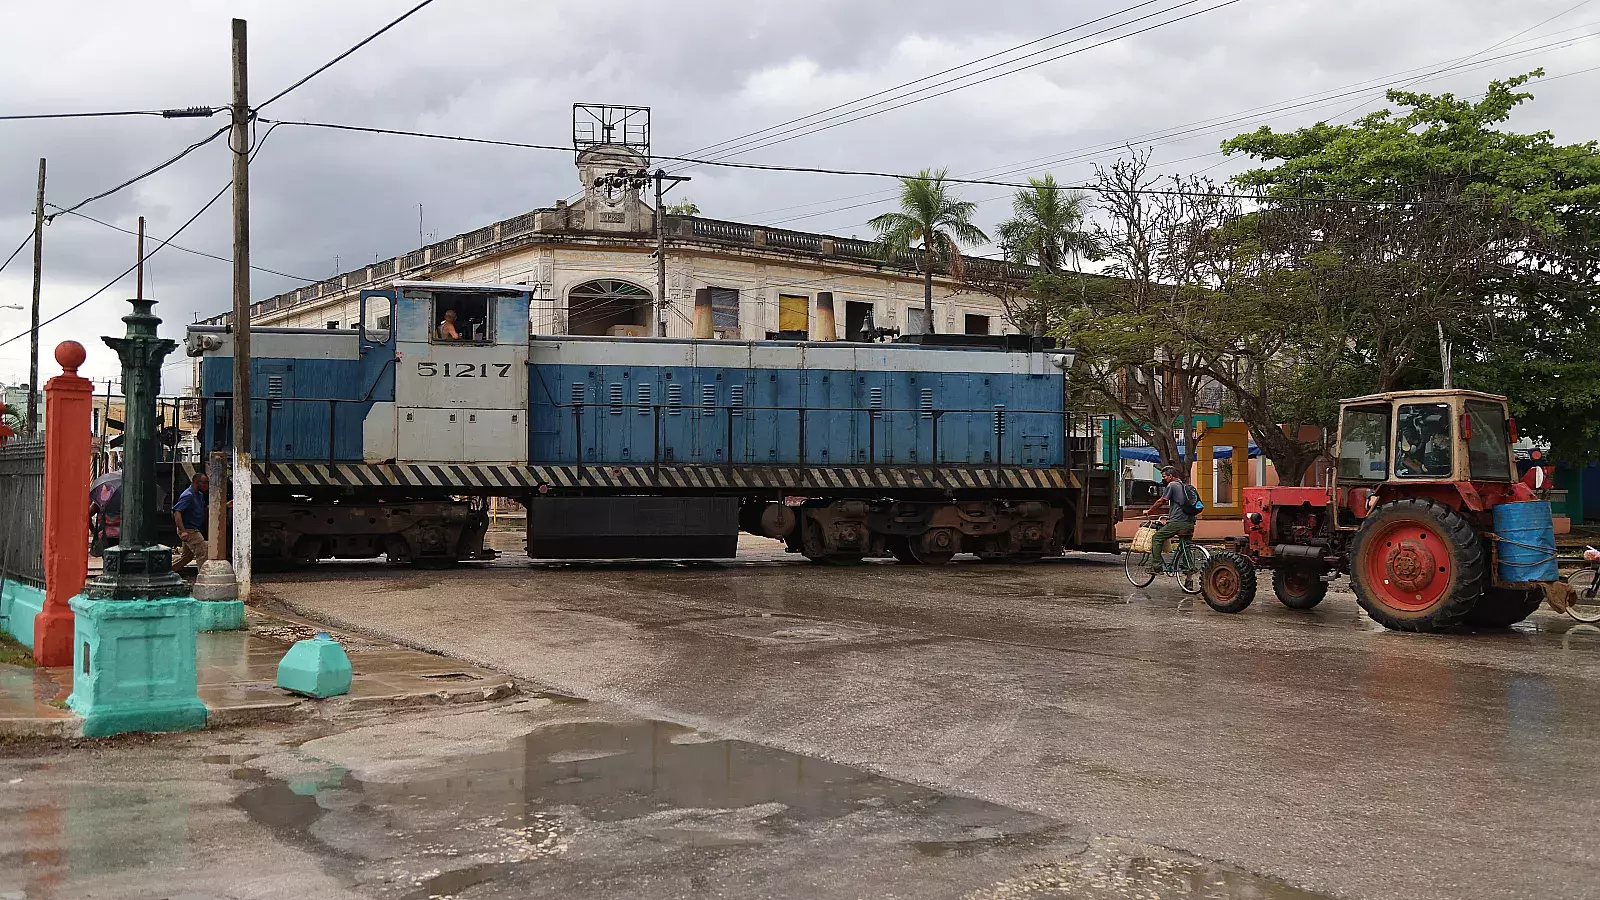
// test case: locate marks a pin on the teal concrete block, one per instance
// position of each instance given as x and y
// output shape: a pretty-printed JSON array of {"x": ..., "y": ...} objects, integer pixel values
[
  {"x": 316, "y": 667},
  {"x": 20, "y": 604},
  {"x": 219, "y": 615},
  {"x": 134, "y": 666}
]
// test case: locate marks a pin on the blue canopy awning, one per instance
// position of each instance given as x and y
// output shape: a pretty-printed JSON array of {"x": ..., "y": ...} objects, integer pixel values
[{"x": 1149, "y": 454}]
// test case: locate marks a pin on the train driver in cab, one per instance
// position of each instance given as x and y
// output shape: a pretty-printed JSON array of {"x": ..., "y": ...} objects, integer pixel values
[{"x": 447, "y": 327}]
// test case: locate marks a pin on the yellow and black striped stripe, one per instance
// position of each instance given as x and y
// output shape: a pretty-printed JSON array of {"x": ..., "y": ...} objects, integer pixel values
[{"x": 500, "y": 479}]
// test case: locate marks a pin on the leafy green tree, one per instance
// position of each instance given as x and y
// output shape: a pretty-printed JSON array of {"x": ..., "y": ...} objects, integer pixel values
[
  {"x": 1493, "y": 234},
  {"x": 684, "y": 207},
  {"x": 1048, "y": 229},
  {"x": 932, "y": 220},
  {"x": 1133, "y": 331}
]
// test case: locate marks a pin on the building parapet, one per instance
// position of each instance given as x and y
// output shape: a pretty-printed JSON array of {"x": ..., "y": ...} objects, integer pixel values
[{"x": 563, "y": 221}]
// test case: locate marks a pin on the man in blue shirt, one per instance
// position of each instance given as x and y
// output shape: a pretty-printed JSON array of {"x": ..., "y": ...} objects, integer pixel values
[
  {"x": 1175, "y": 497},
  {"x": 189, "y": 514}
]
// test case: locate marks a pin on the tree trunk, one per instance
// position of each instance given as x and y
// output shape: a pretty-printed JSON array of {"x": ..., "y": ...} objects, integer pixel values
[
  {"x": 927, "y": 290},
  {"x": 1290, "y": 456}
]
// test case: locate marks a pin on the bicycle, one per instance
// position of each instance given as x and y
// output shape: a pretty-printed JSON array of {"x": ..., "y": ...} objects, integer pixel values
[
  {"x": 1584, "y": 604},
  {"x": 1188, "y": 561}
]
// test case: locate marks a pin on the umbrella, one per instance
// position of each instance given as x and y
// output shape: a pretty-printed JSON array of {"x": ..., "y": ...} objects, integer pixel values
[{"x": 105, "y": 499}]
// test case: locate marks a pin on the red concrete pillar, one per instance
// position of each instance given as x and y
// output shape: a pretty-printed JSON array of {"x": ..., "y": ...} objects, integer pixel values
[{"x": 68, "y": 447}]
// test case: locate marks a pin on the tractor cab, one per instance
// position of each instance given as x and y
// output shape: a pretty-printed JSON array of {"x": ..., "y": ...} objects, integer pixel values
[
  {"x": 1422, "y": 436},
  {"x": 1426, "y": 442}
]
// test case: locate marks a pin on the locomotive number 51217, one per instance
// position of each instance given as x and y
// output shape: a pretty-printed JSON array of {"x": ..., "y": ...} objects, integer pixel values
[{"x": 463, "y": 370}]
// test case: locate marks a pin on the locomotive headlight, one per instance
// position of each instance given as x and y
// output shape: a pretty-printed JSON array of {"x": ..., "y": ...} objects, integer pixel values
[{"x": 1064, "y": 359}]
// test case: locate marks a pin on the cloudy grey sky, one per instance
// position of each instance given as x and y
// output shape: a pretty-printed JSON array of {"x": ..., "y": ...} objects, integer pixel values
[{"x": 711, "y": 70}]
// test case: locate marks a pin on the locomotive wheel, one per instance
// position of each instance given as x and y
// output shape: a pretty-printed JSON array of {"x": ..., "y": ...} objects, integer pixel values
[
  {"x": 1417, "y": 565},
  {"x": 1504, "y": 607},
  {"x": 1299, "y": 587},
  {"x": 1228, "y": 582},
  {"x": 931, "y": 558},
  {"x": 936, "y": 547}
]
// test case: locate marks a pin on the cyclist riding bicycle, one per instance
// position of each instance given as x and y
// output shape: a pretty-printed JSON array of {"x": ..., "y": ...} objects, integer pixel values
[{"x": 1180, "y": 506}]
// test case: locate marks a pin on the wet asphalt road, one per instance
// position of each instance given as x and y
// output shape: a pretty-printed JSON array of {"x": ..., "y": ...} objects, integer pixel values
[{"x": 1311, "y": 747}]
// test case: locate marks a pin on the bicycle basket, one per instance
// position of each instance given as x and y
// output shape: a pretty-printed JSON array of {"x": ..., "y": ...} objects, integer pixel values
[{"x": 1144, "y": 538}]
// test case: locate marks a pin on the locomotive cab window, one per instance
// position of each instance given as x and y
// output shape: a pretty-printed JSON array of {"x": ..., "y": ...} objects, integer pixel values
[
  {"x": 1364, "y": 444},
  {"x": 462, "y": 318},
  {"x": 1422, "y": 441},
  {"x": 376, "y": 315}
]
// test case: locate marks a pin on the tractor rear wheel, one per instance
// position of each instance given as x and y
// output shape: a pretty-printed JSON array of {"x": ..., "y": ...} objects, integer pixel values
[
  {"x": 1229, "y": 582},
  {"x": 1504, "y": 607},
  {"x": 1299, "y": 587},
  {"x": 1417, "y": 565}
]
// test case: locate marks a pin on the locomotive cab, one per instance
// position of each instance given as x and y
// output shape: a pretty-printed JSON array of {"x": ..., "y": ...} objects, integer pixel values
[{"x": 460, "y": 372}]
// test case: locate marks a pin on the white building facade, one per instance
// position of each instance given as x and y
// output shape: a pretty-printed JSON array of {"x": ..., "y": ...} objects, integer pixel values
[{"x": 594, "y": 263}]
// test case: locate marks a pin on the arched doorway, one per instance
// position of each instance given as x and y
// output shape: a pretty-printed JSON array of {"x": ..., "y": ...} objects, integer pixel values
[{"x": 599, "y": 306}]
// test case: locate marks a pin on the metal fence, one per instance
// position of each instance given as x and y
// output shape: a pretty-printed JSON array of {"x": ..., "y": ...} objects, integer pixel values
[{"x": 22, "y": 512}]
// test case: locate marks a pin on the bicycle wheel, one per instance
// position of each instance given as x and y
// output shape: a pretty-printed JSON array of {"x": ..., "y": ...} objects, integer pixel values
[
  {"x": 1196, "y": 558},
  {"x": 1585, "y": 602},
  {"x": 1136, "y": 564}
]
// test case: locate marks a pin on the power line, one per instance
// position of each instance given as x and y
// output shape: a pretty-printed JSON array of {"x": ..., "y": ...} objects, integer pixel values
[
  {"x": 25, "y": 241},
  {"x": 124, "y": 273},
  {"x": 185, "y": 249},
  {"x": 186, "y": 113},
  {"x": 815, "y": 170},
  {"x": 851, "y": 117},
  {"x": 969, "y": 63},
  {"x": 332, "y": 62},
  {"x": 145, "y": 174},
  {"x": 1469, "y": 58},
  {"x": 1212, "y": 125}
]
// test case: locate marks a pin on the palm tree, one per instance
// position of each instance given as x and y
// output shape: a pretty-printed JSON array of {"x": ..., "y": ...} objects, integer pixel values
[
  {"x": 1046, "y": 229},
  {"x": 932, "y": 219}
]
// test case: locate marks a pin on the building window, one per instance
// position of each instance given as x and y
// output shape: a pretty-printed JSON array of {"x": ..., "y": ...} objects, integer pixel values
[
  {"x": 976, "y": 324},
  {"x": 725, "y": 312},
  {"x": 856, "y": 314},
  {"x": 916, "y": 320},
  {"x": 608, "y": 306},
  {"x": 794, "y": 313}
]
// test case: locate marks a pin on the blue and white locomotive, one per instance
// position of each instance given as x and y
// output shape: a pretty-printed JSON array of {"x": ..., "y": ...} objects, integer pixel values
[{"x": 388, "y": 438}]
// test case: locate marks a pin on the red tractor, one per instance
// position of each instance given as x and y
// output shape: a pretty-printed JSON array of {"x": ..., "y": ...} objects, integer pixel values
[{"x": 1425, "y": 515}]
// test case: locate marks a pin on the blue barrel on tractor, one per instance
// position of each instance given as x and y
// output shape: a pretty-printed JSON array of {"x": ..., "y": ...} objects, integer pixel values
[{"x": 1527, "y": 542}]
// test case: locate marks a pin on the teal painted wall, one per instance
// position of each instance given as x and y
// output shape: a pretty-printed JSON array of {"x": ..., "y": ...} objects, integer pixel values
[{"x": 19, "y": 603}]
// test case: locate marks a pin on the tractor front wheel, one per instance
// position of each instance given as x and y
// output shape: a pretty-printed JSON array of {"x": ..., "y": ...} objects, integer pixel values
[
  {"x": 1504, "y": 607},
  {"x": 1417, "y": 565},
  {"x": 1228, "y": 582},
  {"x": 1299, "y": 587}
]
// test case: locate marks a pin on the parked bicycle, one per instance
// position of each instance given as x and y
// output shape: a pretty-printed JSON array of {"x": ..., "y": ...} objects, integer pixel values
[
  {"x": 1185, "y": 562},
  {"x": 1584, "y": 605}
]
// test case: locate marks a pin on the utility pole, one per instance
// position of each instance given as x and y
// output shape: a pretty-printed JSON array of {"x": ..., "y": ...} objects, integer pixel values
[
  {"x": 33, "y": 334},
  {"x": 660, "y": 311},
  {"x": 239, "y": 144}
]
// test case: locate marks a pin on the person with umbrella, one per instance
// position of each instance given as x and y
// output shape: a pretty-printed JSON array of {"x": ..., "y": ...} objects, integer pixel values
[{"x": 105, "y": 511}]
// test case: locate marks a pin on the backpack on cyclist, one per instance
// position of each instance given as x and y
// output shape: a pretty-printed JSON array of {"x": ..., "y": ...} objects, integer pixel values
[{"x": 1192, "y": 504}]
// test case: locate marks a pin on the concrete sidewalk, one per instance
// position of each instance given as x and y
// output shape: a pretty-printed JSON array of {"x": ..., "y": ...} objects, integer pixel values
[{"x": 237, "y": 671}]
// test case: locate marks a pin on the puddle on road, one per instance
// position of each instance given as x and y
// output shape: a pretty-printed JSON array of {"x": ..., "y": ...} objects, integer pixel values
[{"x": 651, "y": 809}]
